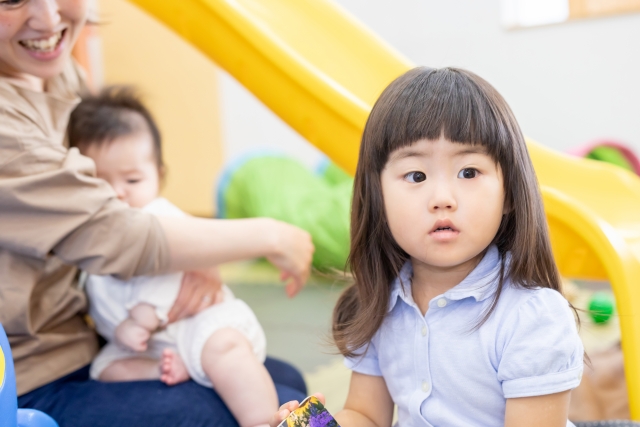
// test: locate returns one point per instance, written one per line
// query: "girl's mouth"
(43, 46)
(444, 231)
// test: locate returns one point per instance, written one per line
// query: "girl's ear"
(507, 208)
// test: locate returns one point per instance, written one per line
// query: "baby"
(223, 346)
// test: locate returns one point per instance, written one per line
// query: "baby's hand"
(292, 255)
(287, 408)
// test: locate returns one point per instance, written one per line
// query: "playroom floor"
(298, 329)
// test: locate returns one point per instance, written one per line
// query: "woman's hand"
(293, 251)
(287, 408)
(197, 242)
(199, 289)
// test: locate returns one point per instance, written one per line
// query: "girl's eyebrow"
(465, 149)
(404, 153)
(473, 149)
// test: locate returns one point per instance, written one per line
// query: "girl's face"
(444, 201)
(36, 36)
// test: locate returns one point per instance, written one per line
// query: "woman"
(55, 216)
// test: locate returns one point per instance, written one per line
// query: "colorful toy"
(601, 307)
(10, 415)
(310, 413)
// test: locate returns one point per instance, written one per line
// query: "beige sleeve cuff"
(120, 242)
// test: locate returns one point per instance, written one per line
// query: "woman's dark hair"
(427, 103)
(115, 112)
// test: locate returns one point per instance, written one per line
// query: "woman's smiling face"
(36, 36)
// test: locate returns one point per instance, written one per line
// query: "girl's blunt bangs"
(426, 103)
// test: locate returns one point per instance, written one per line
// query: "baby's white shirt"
(110, 299)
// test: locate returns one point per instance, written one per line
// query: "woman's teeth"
(43, 45)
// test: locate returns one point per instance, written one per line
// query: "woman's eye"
(133, 181)
(415, 177)
(468, 173)
(10, 3)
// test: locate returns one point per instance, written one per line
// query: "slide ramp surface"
(321, 70)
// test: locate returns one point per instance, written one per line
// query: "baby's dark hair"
(115, 112)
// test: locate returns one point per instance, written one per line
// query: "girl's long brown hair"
(427, 103)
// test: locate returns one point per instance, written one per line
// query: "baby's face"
(129, 165)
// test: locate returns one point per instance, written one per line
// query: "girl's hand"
(199, 290)
(292, 255)
(287, 408)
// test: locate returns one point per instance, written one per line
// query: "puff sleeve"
(541, 350)
(366, 362)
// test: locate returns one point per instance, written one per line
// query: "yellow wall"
(180, 87)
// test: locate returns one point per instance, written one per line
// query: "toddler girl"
(456, 315)
(223, 346)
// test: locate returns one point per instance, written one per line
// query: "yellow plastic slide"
(321, 70)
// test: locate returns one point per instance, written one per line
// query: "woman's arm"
(550, 410)
(196, 243)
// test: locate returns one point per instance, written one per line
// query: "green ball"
(601, 307)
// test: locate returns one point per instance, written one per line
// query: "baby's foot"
(172, 369)
(132, 335)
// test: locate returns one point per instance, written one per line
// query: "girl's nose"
(442, 199)
(45, 15)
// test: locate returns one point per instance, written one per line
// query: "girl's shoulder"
(537, 344)
(536, 311)
(536, 299)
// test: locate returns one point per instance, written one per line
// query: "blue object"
(76, 401)
(11, 416)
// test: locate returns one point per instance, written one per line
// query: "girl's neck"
(430, 281)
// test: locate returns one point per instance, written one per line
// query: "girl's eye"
(133, 181)
(415, 177)
(468, 173)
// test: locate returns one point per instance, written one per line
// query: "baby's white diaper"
(188, 337)
(110, 299)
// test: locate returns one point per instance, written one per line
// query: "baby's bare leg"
(135, 331)
(134, 369)
(239, 378)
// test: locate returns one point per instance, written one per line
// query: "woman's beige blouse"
(55, 215)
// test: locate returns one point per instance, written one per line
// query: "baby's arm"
(368, 404)
(550, 410)
(135, 331)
